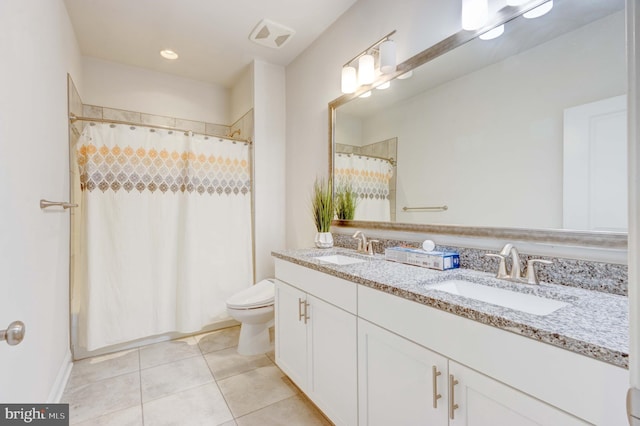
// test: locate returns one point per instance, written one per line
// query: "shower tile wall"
(244, 125)
(385, 149)
(212, 129)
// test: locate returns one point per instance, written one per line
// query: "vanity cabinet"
(400, 383)
(403, 383)
(367, 357)
(482, 401)
(316, 338)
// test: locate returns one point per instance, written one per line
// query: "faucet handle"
(502, 268)
(532, 277)
(370, 246)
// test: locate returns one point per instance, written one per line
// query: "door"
(333, 361)
(595, 166)
(481, 401)
(291, 335)
(400, 382)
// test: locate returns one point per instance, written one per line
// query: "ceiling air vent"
(271, 34)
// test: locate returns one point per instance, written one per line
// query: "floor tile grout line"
(168, 362)
(233, 417)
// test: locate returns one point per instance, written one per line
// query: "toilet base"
(254, 339)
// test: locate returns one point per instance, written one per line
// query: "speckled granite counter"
(594, 324)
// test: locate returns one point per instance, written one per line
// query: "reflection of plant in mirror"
(322, 205)
(346, 201)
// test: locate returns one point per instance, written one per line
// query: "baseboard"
(61, 379)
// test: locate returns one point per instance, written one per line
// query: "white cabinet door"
(291, 333)
(397, 381)
(332, 348)
(482, 401)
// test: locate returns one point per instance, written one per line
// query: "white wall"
(269, 165)
(114, 85)
(313, 80)
(242, 95)
(492, 160)
(39, 48)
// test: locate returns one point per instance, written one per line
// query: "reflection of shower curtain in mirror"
(165, 234)
(369, 178)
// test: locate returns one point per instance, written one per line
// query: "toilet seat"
(257, 296)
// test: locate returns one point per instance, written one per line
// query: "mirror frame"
(598, 239)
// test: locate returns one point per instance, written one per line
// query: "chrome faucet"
(362, 241)
(507, 250)
(516, 271)
(364, 245)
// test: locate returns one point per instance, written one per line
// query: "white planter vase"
(324, 240)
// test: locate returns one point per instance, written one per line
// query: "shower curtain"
(369, 177)
(165, 231)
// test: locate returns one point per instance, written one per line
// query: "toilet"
(253, 308)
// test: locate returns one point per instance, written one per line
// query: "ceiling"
(211, 36)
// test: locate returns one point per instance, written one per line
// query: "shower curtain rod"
(390, 160)
(73, 118)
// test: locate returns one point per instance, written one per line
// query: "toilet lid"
(261, 294)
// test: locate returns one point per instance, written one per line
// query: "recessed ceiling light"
(169, 54)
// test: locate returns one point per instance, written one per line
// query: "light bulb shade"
(474, 14)
(349, 80)
(388, 57)
(537, 12)
(366, 69)
(493, 33)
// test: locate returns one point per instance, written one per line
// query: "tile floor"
(198, 380)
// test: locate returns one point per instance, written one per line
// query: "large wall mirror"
(525, 132)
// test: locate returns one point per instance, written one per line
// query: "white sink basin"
(338, 259)
(528, 303)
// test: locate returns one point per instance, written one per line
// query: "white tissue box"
(441, 260)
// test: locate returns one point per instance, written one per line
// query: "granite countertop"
(593, 323)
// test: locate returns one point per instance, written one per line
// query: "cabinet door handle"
(434, 376)
(452, 404)
(300, 314)
(306, 311)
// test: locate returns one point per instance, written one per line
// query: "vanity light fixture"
(366, 69)
(537, 12)
(349, 79)
(382, 53)
(168, 54)
(474, 14)
(388, 57)
(493, 33)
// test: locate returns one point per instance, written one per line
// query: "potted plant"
(346, 201)
(322, 208)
